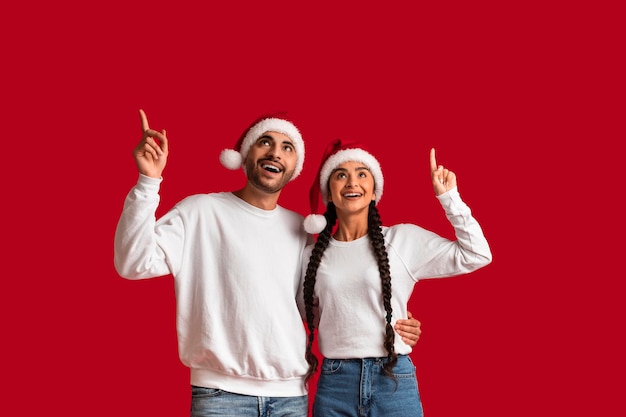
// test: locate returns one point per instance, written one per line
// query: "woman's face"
(351, 187)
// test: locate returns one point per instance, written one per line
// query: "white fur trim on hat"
(231, 160)
(314, 223)
(356, 155)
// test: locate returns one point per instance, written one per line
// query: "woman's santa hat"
(335, 154)
(233, 158)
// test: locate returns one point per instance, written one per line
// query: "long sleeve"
(137, 253)
(428, 255)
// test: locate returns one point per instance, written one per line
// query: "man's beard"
(258, 182)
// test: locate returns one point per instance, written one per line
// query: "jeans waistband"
(382, 359)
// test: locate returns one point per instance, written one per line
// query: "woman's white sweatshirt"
(348, 282)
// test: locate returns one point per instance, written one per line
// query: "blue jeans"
(212, 402)
(357, 387)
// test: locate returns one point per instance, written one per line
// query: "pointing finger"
(164, 142)
(144, 121)
(433, 161)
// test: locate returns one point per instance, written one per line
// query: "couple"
(246, 272)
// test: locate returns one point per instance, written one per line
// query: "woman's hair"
(380, 252)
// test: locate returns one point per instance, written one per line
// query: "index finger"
(433, 161)
(144, 121)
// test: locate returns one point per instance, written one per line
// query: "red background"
(524, 101)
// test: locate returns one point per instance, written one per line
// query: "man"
(235, 258)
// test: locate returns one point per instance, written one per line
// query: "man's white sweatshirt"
(236, 270)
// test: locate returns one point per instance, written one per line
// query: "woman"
(363, 269)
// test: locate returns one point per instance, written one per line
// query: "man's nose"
(274, 150)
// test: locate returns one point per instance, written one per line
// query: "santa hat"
(335, 154)
(233, 158)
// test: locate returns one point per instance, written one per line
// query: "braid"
(309, 284)
(378, 245)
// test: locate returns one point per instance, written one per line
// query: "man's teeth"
(271, 168)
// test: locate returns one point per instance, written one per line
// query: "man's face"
(271, 162)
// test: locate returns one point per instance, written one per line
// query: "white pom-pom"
(314, 223)
(231, 159)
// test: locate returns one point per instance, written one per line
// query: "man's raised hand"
(151, 153)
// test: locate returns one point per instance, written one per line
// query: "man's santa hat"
(275, 122)
(336, 153)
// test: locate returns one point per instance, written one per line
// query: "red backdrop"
(523, 101)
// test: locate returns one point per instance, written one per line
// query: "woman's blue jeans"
(211, 402)
(357, 387)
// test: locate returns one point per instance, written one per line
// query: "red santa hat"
(336, 153)
(275, 122)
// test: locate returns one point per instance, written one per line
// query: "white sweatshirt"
(348, 281)
(236, 270)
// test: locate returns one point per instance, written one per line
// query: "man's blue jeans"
(357, 387)
(211, 402)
